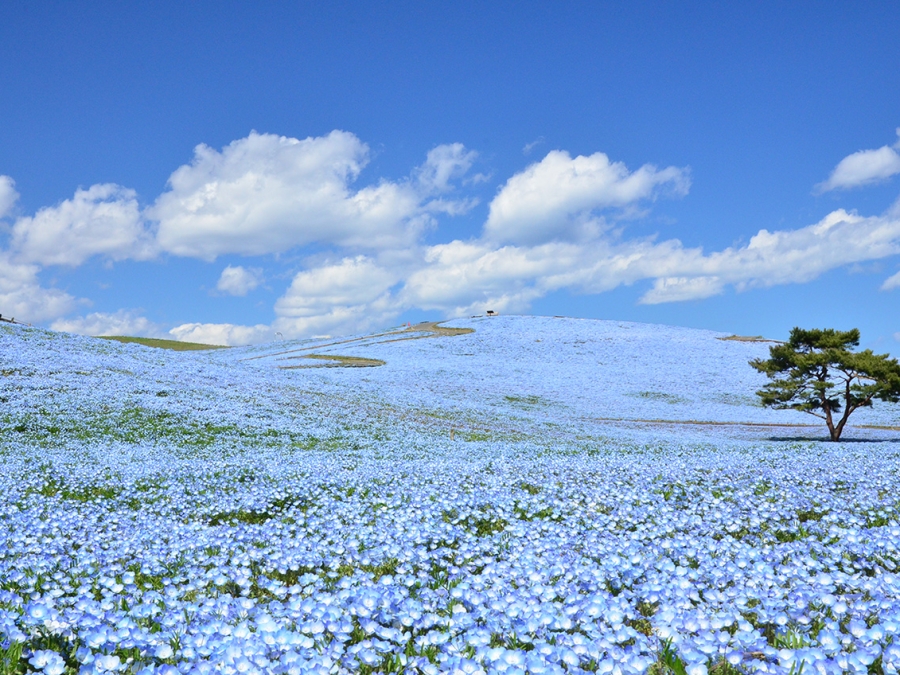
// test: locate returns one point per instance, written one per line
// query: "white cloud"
(863, 168)
(674, 289)
(123, 322)
(239, 280)
(23, 298)
(352, 294)
(460, 277)
(552, 226)
(891, 282)
(258, 195)
(465, 277)
(442, 165)
(104, 219)
(8, 195)
(553, 198)
(225, 334)
(526, 150)
(267, 194)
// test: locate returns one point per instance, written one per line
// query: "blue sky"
(225, 172)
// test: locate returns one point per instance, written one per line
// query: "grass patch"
(336, 361)
(130, 425)
(660, 396)
(524, 400)
(274, 509)
(747, 338)
(174, 345)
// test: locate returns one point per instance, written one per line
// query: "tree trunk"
(826, 406)
(835, 433)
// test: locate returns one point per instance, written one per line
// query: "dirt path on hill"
(335, 361)
(432, 328)
(420, 331)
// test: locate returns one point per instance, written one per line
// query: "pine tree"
(815, 372)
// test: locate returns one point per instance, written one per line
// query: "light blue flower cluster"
(196, 513)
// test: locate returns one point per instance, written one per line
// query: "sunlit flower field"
(537, 496)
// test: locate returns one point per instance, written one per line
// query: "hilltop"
(515, 374)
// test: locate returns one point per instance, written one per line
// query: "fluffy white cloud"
(553, 198)
(123, 322)
(863, 168)
(104, 219)
(348, 295)
(226, 334)
(267, 194)
(797, 256)
(460, 277)
(546, 230)
(352, 281)
(463, 277)
(351, 294)
(8, 195)
(260, 194)
(23, 298)
(239, 280)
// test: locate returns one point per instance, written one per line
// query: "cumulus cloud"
(863, 168)
(102, 220)
(239, 280)
(123, 322)
(555, 225)
(260, 194)
(796, 256)
(267, 194)
(8, 195)
(23, 298)
(338, 297)
(460, 277)
(350, 294)
(553, 198)
(225, 334)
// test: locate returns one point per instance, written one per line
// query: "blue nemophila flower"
(48, 661)
(256, 520)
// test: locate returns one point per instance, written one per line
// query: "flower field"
(537, 496)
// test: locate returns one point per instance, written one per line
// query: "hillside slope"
(554, 378)
(562, 369)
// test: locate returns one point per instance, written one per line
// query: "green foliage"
(11, 661)
(815, 372)
(660, 396)
(524, 400)
(668, 661)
